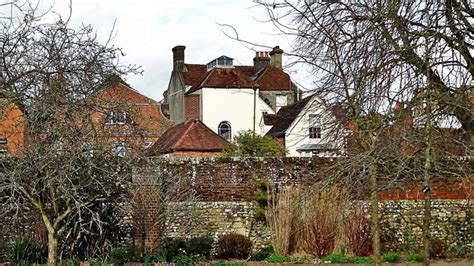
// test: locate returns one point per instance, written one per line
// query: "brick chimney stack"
(260, 61)
(178, 57)
(276, 57)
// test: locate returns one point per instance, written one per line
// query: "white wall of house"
(235, 106)
(297, 135)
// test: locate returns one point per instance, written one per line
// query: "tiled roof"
(191, 135)
(285, 117)
(270, 78)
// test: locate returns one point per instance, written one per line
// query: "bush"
(340, 258)
(147, 258)
(358, 231)
(183, 260)
(233, 246)
(173, 247)
(26, 250)
(361, 260)
(199, 246)
(438, 248)
(462, 251)
(391, 257)
(335, 258)
(415, 257)
(277, 259)
(70, 262)
(262, 254)
(123, 255)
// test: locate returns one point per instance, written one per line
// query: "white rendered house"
(308, 129)
(227, 98)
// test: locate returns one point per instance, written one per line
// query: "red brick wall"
(231, 179)
(192, 107)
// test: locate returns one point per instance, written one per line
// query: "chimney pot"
(260, 61)
(178, 57)
(276, 57)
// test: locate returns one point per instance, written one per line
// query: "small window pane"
(225, 130)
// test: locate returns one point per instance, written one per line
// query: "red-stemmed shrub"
(358, 232)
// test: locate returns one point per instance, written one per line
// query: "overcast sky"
(147, 30)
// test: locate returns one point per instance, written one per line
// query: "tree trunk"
(374, 203)
(52, 249)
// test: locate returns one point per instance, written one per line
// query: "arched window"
(225, 130)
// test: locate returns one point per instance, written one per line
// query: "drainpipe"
(254, 106)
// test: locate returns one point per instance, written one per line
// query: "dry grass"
(280, 215)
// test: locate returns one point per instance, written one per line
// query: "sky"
(147, 30)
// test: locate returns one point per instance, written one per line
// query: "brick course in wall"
(192, 107)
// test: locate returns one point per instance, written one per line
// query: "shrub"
(261, 198)
(361, 260)
(199, 246)
(70, 262)
(277, 259)
(415, 257)
(262, 254)
(93, 230)
(358, 232)
(409, 242)
(26, 250)
(183, 260)
(340, 258)
(248, 144)
(147, 258)
(391, 257)
(173, 247)
(123, 255)
(438, 248)
(318, 220)
(335, 258)
(233, 246)
(461, 251)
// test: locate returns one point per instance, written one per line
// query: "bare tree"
(367, 55)
(51, 72)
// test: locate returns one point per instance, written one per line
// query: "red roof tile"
(191, 135)
(271, 78)
(193, 73)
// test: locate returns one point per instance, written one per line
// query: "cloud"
(147, 30)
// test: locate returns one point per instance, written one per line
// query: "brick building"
(189, 139)
(12, 128)
(127, 120)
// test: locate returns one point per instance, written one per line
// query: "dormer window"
(118, 118)
(223, 61)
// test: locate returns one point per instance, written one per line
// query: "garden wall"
(225, 189)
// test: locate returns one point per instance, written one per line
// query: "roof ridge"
(192, 122)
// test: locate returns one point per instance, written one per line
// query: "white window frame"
(226, 135)
(315, 129)
(124, 118)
